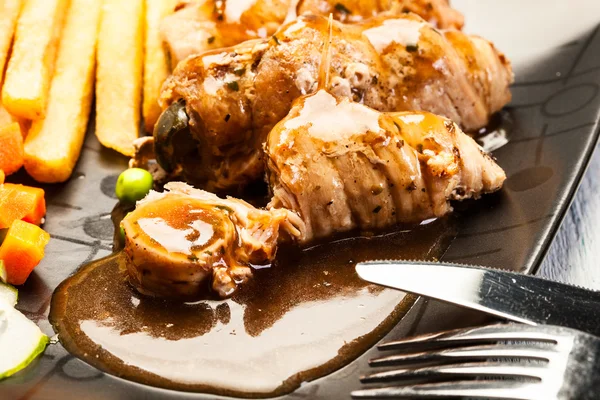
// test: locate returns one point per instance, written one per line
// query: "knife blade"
(516, 297)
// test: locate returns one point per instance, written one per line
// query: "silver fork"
(508, 361)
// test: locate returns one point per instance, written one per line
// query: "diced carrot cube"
(22, 250)
(21, 202)
(11, 148)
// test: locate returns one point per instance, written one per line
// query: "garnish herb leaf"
(342, 8)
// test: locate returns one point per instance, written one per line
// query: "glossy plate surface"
(554, 126)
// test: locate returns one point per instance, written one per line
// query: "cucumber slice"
(8, 294)
(3, 275)
(21, 341)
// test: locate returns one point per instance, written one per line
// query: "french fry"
(119, 74)
(53, 144)
(31, 63)
(9, 13)
(156, 65)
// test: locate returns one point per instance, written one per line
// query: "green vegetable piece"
(121, 230)
(21, 341)
(3, 275)
(342, 8)
(133, 185)
(233, 85)
(173, 123)
(8, 294)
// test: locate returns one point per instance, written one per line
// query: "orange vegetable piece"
(21, 202)
(11, 148)
(22, 250)
(1, 177)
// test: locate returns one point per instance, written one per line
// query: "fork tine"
(458, 371)
(468, 337)
(465, 354)
(508, 390)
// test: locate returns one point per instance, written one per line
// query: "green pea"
(121, 230)
(133, 185)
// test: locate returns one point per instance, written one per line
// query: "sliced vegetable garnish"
(22, 250)
(21, 202)
(21, 340)
(8, 293)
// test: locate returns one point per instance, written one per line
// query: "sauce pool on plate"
(303, 317)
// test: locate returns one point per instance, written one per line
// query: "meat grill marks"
(342, 166)
(235, 96)
(186, 242)
(202, 25)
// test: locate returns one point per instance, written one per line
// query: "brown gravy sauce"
(304, 317)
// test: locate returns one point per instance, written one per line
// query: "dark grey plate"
(555, 120)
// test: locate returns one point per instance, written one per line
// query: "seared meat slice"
(344, 166)
(184, 241)
(202, 25)
(235, 96)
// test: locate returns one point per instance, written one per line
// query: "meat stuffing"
(185, 242)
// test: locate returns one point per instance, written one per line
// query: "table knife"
(513, 296)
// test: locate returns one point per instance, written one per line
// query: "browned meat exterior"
(235, 96)
(184, 242)
(202, 25)
(343, 166)
(437, 12)
(333, 166)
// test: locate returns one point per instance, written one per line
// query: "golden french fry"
(9, 13)
(119, 74)
(156, 66)
(31, 63)
(53, 144)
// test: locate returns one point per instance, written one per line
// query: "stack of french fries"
(54, 55)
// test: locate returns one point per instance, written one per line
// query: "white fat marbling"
(304, 80)
(235, 8)
(211, 85)
(330, 121)
(402, 31)
(214, 59)
(296, 26)
(412, 118)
